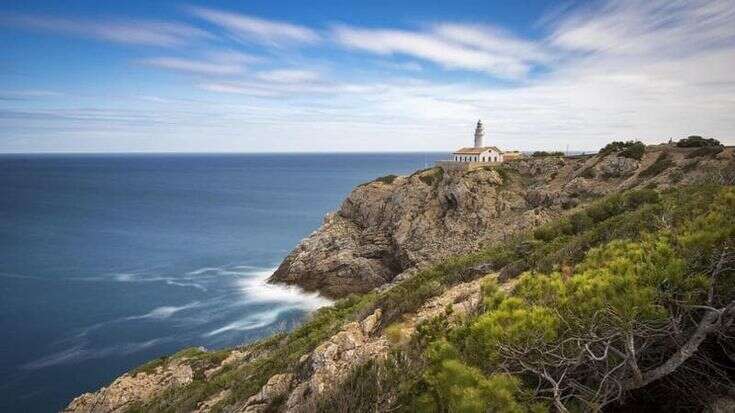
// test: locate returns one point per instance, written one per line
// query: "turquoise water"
(108, 261)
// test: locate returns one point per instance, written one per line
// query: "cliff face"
(388, 227)
(384, 228)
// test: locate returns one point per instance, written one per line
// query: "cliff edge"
(387, 228)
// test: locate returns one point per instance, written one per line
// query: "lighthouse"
(479, 134)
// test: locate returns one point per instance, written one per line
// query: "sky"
(336, 75)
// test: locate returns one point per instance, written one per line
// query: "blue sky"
(262, 76)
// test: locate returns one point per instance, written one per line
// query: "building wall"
(462, 166)
(487, 156)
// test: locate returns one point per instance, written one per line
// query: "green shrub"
(542, 154)
(621, 288)
(629, 149)
(388, 179)
(662, 163)
(695, 141)
(458, 387)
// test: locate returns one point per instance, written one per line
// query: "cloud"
(494, 40)
(289, 76)
(194, 66)
(141, 32)
(256, 29)
(615, 70)
(655, 26)
(432, 47)
(234, 56)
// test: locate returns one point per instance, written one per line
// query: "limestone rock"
(276, 388)
(382, 230)
(133, 388)
(334, 359)
(617, 166)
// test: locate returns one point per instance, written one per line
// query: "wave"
(193, 285)
(164, 312)
(203, 270)
(255, 289)
(252, 322)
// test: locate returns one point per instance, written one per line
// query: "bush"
(705, 151)
(388, 179)
(630, 149)
(461, 388)
(542, 154)
(695, 141)
(626, 287)
(634, 151)
(662, 163)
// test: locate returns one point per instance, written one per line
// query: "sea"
(109, 261)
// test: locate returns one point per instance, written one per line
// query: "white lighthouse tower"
(479, 134)
(479, 154)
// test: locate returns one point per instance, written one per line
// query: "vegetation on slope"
(567, 270)
(633, 292)
(629, 149)
(696, 141)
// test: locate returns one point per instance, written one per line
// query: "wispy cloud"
(141, 32)
(451, 46)
(494, 40)
(289, 76)
(257, 30)
(657, 27)
(194, 66)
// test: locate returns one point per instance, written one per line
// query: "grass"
(388, 179)
(196, 357)
(662, 163)
(279, 353)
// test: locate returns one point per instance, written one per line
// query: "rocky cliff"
(384, 231)
(387, 228)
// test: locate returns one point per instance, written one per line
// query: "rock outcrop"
(383, 229)
(132, 388)
(325, 368)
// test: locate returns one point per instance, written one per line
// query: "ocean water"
(108, 261)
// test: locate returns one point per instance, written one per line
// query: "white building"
(478, 153)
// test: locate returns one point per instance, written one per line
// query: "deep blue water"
(108, 261)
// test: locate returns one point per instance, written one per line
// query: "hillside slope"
(455, 254)
(396, 224)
